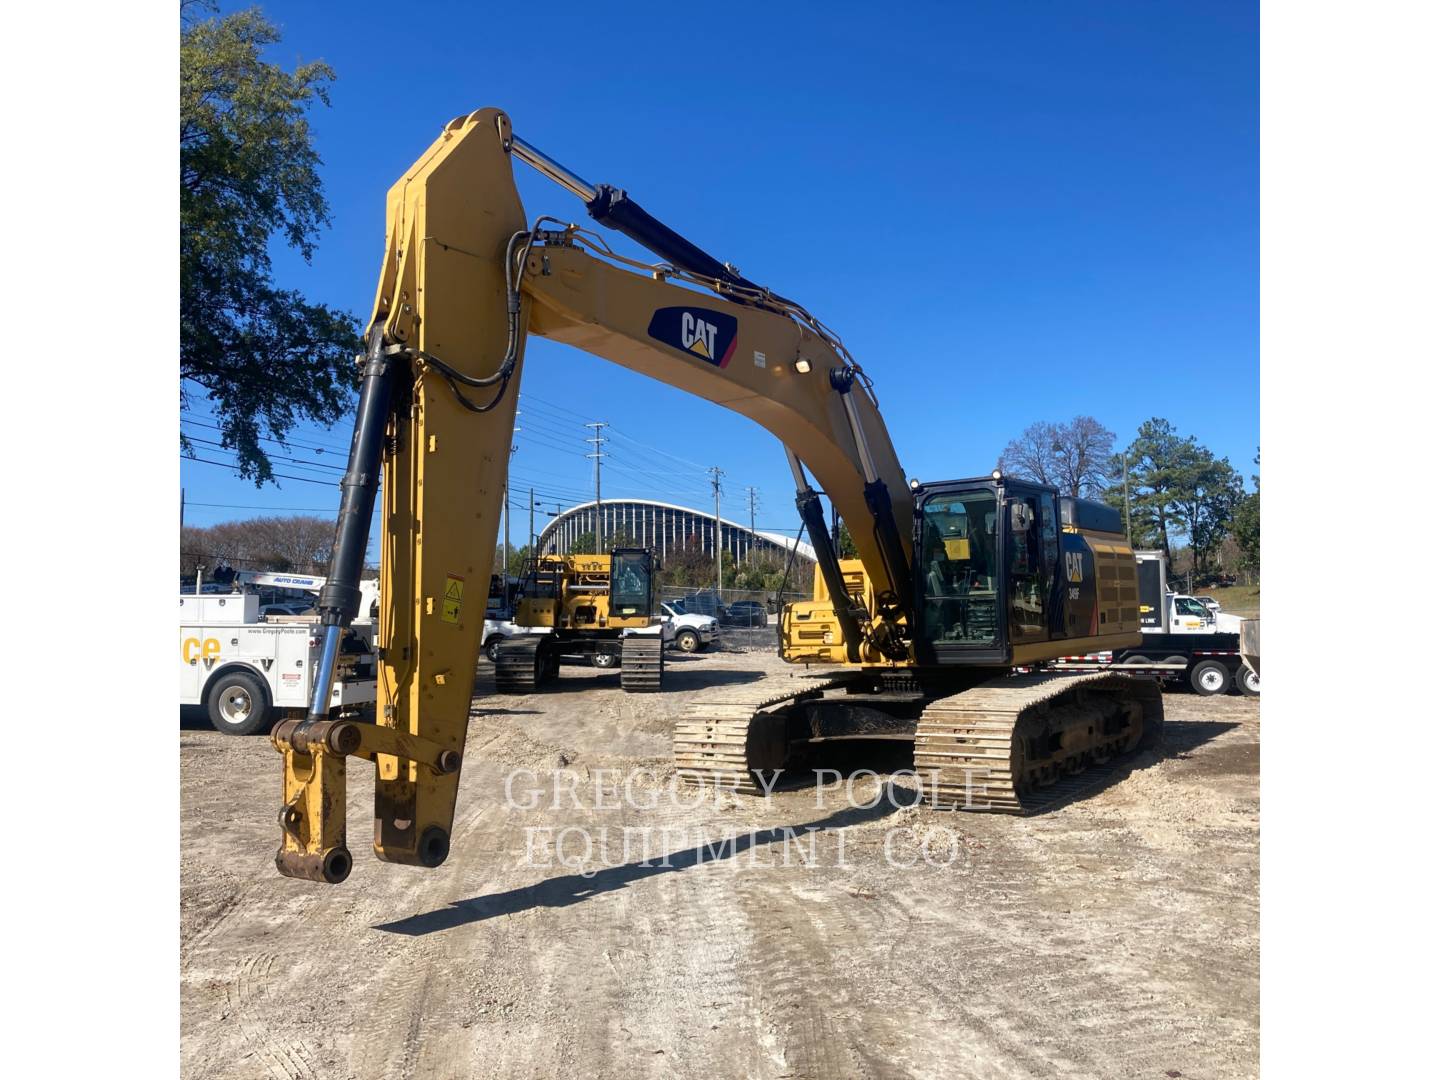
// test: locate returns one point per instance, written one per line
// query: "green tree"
(1178, 490)
(1209, 491)
(1158, 460)
(518, 558)
(263, 356)
(846, 548)
(764, 572)
(1246, 526)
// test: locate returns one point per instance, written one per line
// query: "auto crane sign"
(700, 332)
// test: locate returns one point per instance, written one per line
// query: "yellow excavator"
(585, 603)
(957, 583)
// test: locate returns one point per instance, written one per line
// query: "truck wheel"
(1209, 677)
(687, 641)
(1247, 682)
(492, 647)
(604, 658)
(238, 704)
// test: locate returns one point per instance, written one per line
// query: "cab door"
(1031, 552)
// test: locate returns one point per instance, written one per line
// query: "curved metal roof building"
(662, 526)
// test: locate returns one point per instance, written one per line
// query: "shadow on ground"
(688, 678)
(575, 888)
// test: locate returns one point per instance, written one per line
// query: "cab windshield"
(957, 568)
(630, 583)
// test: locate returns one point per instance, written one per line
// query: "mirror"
(1021, 516)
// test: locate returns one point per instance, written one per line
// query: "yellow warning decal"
(454, 594)
(957, 548)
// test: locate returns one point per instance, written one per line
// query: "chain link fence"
(749, 618)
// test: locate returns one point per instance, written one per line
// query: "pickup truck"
(498, 627)
(693, 633)
(686, 632)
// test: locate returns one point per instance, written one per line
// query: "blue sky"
(1009, 212)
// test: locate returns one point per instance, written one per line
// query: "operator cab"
(631, 583)
(988, 569)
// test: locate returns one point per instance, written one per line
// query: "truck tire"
(1209, 677)
(238, 703)
(492, 647)
(1247, 682)
(604, 657)
(687, 641)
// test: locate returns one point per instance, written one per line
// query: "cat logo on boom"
(697, 335)
(699, 332)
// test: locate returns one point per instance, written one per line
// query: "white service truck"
(244, 666)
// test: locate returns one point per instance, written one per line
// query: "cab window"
(958, 568)
(630, 583)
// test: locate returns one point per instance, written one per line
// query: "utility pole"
(1125, 460)
(597, 439)
(715, 473)
(505, 561)
(750, 553)
(532, 522)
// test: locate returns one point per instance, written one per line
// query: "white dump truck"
(244, 666)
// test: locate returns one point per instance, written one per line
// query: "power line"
(658, 450)
(278, 457)
(260, 506)
(319, 448)
(282, 476)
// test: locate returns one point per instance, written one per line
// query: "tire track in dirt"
(246, 994)
(1037, 998)
(1109, 938)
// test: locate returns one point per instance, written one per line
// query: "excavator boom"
(464, 280)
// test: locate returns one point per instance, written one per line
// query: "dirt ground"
(1114, 936)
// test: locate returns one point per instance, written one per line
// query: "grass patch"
(1241, 600)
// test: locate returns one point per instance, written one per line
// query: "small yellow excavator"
(586, 603)
(958, 583)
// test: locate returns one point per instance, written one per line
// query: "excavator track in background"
(725, 737)
(1009, 745)
(522, 665)
(642, 663)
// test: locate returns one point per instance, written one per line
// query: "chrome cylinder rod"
(544, 163)
(325, 671)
